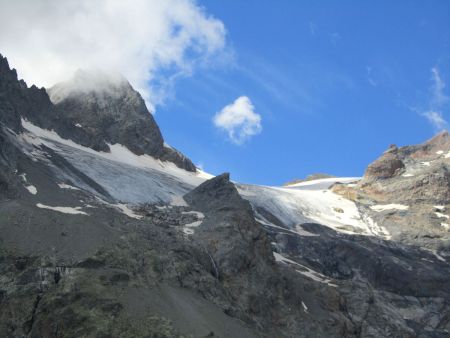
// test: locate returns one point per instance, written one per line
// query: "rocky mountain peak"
(214, 193)
(93, 109)
(108, 111)
(441, 139)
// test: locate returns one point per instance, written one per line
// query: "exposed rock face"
(416, 178)
(108, 110)
(230, 233)
(428, 149)
(386, 166)
(17, 99)
(413, 173)
(272, 298)
(381, 282)
(8, 166)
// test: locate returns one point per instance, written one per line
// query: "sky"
(267, 90)
(334, 82)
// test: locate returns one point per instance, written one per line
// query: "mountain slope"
(102, 235)
(105, 112)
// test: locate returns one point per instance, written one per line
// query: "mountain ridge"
(105, 119)
(121, 243)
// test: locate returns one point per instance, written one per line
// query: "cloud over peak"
(48, 40)
(239, 120)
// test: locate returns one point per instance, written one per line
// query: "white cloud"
(438, 102)
(239, 120)
(150, 42)
(436, 119)
(439, 98)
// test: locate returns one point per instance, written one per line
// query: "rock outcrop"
(17, 99)
(386, 166)
(414, 183)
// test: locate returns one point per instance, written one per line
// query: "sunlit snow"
(134, 179)
(32, 189)
(67, 186)
(188, 228)
(64, 210)
(384, 207)
(304, 270)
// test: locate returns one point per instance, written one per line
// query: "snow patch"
(64, 210)
(426, 163)
(32, 189)
(439, 152)
(311, 274)
(407, 175)
(384, 207)
(302, 232)
(436, 254)
(127, 211)
(187, 228)
(198, 214)
(78, 125)
(305, 308)
(441, 215)
(445, 225)
(123, 208)
(323, 183)
(67, 186)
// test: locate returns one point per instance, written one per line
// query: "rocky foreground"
(105, 231)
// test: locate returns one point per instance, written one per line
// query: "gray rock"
(109, 111)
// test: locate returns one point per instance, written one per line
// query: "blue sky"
(267, 90)
(335, 83)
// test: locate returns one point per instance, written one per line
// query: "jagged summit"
(18, 100)
(94, 109)
(110, 111)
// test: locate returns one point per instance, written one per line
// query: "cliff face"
(110, 111)
(17, 100)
